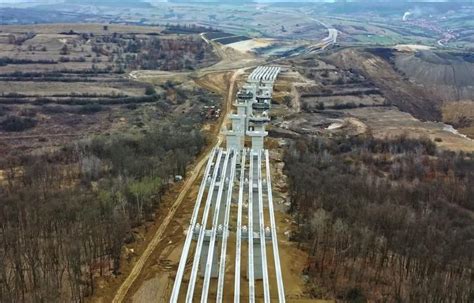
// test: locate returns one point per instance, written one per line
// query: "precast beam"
(239, 229)
(209, 260)
(197, 254)
(189, 235)
(215, 222)
(250, 232)
(266, 285)
(225, 230)
(276, 254)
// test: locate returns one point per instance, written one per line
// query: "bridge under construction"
(231, 247)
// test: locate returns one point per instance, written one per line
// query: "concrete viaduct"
(231, 247)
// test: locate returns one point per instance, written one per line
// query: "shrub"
(3, 110)
(91, 108)
(347, 105)
(53, 109)
(150, 90)
(17, 124)
(28, 112)
(131, 106)
(320, 105)
(355, 295)
(168, 84)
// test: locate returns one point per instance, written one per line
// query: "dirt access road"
(122, 292)
(139, 265)
(150, 278)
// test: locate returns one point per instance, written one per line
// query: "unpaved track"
(230, 61)
(138, 267)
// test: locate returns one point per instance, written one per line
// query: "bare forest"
(66, 215)
(383, 219)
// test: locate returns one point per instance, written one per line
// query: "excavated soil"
(398, 91)
(450, 76)
(155, 282)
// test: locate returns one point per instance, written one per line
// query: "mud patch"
(152, 290)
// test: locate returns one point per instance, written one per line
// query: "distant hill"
(416, 82)
(450, 75)
(115, 3)
(395, 88)
(220, 1)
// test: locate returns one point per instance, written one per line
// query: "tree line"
(383, 219)
(164, 53)
(66, 215)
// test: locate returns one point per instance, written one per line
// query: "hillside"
(408, 97)
(426, 84)
(450, 75)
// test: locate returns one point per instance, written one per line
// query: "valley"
(109, 112)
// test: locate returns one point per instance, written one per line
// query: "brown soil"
(449, 76)
(80, 27)
(54, 87)
(153, 278)
(390, 122)
(169, 236)
(161, 246)
(461, 116)
(380, 121)
(407, 97)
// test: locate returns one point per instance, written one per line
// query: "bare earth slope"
(451, 76)
(397, 91)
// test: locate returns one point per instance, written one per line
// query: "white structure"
(256, 130)
(253, 103)
(248, 171)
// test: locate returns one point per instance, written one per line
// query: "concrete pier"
(237, 181)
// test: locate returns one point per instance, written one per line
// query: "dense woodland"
(116, 52)
(384, 220)
(66, 215)
(164, 54)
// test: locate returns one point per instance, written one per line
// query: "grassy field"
(95, 28)
(323, 99)
(65, 81)
(460, 115)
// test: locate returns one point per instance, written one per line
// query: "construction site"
(246, 151)
(232, 235)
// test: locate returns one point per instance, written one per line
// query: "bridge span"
(231, 247)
